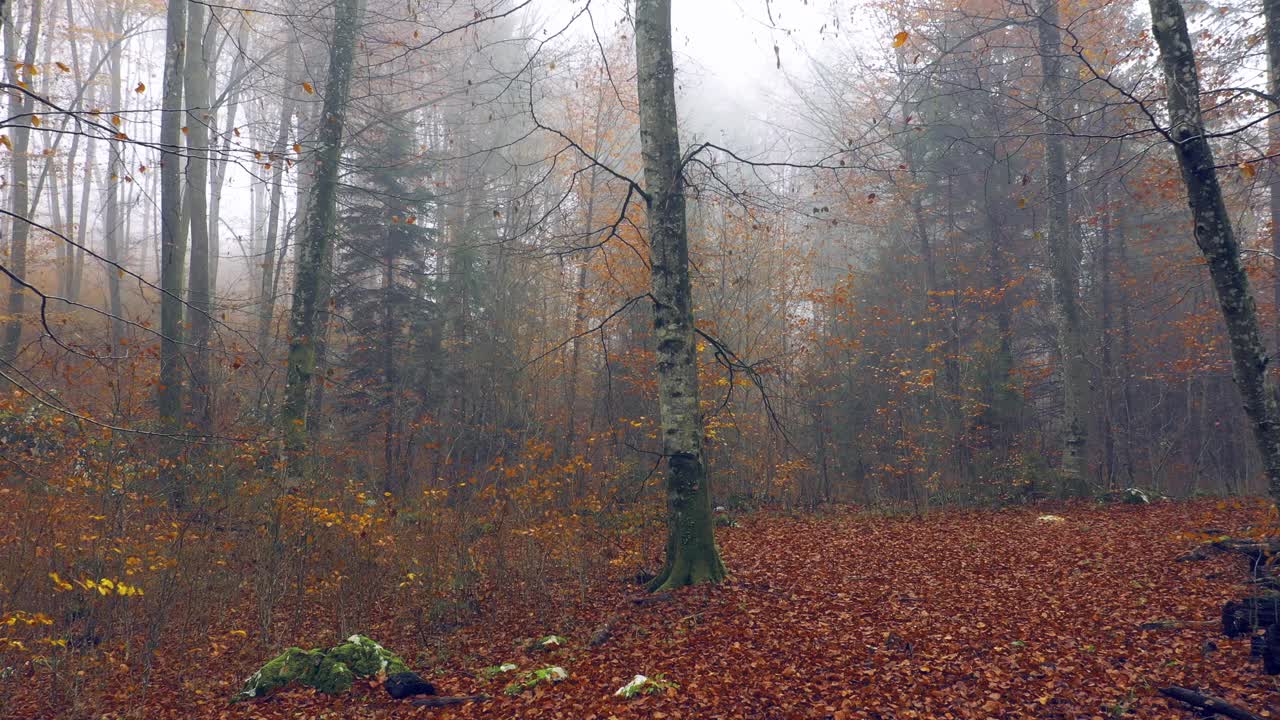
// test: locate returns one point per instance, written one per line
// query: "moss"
(333, 671)
(544, 676)
(366, 657)
(331, 676)
(293, 664)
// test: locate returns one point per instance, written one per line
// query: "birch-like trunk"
(1214, 233)
(1064, 263)
(321, 220)
(692, 556)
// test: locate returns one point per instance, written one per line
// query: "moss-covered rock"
(292, 665)
(330, 671)
(366, 657)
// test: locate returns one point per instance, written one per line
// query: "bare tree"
(1214, 233)
(692, 556)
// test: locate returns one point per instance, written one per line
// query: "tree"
(199, 291)
(691, 556)
(1064, 262)
(173, 245)
(1214, 233)
(320, 224)
(21, 105)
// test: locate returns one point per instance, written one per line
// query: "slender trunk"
(1214, 233)
(692, 556)
(199, 290)
(1108, 363)
(322, 216)
(172, 239)
(219, 169)
(389, 381)
(266, 296)
(1064, 263)
(115, 173)
(1271, 15)
(20, 200)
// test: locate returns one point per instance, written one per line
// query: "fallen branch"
(446, 700)
(1176, 624)
(1208, 703)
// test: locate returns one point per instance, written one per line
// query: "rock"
(292, 665)
(407, 684)
(330, 671)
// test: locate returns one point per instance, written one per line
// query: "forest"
(599, 359)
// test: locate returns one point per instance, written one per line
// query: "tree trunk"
(199, 292)
(1271, 14)
(321, 218)
(1064, 263)
(115, 175)
(172, 237)
(220, 163)
(20, 200)
(1214, 233)
(692, 556)
(266, 287)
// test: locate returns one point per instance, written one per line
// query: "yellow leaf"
(141, 88)
(901, 39)
(239, 633)
(35, 121)
(307, 86)
(1022, 202)
(1248, 170)
(115, 120)
(63, 67)
(297, 148)
(4, 140)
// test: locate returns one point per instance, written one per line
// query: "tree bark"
(321, 218)
(173, 248)
(1064, 263)
(1214, 233)
(1271, 16)
(692, 556)
(20, 201)
(115, 173)
(199, 292)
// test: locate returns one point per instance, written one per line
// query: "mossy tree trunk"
(692, 556)
(1214, 233)
(321, 219)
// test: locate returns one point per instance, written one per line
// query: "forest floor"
(847, 615)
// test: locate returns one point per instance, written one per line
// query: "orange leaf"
(901, 39)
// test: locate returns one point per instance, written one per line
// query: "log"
(1208, 703)
(1242, 617)
(449, 700)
